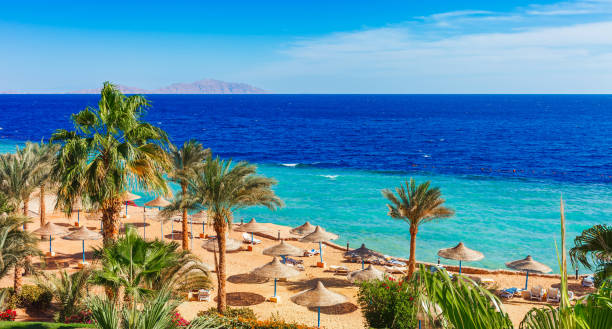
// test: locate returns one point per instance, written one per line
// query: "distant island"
(205, 86)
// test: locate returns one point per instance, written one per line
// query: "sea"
(502, 162)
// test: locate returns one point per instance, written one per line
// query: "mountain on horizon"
(205, 86)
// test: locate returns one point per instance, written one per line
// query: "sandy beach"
(245, 290)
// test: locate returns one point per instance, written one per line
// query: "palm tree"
(110, 151)
(593, 249)
(184, 162)
(69, 290)
(135, 268)
(222, 189)
(44, 155)
(16, 245)
(416, 205)
(18, 177)
(154, 313)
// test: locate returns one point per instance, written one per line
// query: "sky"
(310, 46)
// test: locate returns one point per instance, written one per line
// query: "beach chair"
(289, 260)
(339, 269)
(509, 292)
(247, 239)
(394, 270)
(311, 252)
(588, 281)
(395, 262)
(203, 295)
(536, 292)
(553, 295)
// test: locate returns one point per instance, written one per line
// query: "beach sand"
(244, 290)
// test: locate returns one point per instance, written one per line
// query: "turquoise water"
(506, 219)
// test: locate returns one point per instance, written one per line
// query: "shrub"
(35, 297)
(388, 303)
(83, 316)
(179, 321)
(241, 312)
(8, 315)
(242, 323)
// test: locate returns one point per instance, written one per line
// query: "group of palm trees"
(110, 151)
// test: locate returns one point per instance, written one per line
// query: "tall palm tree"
(135, 268)
(184, 161)
(221, 189)
(593, 249)
(44, 155)
(110, 151)
(416, 205)
(16, 245)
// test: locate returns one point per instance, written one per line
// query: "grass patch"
(42, 325)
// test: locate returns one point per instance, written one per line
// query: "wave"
(333, 177)
(290, 164)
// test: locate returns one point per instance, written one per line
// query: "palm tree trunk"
(220, 228)
(185, 229)
(25, 210)
(18, 279)
(110, 220)
(43, 210)
(412, 260)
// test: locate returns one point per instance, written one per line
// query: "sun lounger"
(510, 292)
(292, 261)
(203, 295)
(394, 270)
(553, 295)
(338, 269)
(311, 252)
(395, 262)
(536, 292)
(247, 238)
(588, 281)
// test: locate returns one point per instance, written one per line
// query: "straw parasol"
(363, 253)
(369, 274)
(318, 297)
(528, 265)
(128, 196)
(275, 270)
(78, 206)
(253, 227)
(303, 229)
(158, 202)
(283, 249)
(319, 235)
(50, 230)
(461, 253)
(230, 245)
(83, 234)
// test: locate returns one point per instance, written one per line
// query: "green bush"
(241, 323)
(388, 304)
(35, 297)
(242, 312)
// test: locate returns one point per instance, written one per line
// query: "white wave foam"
(329, 176)
(426, 156)
(289, 164)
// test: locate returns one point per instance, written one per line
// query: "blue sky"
(311, 46)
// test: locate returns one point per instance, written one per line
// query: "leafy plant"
(35, 297)
(230, 312)
(69, 290)
(593, 249)
(388, 303)
(416, 205)
(15, 246)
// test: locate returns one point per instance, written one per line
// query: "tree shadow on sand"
(247, 278)
(344, 308)
(327, 282)
(244, 299)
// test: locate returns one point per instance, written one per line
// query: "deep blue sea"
(502, 161)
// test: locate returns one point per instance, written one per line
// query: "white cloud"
(569, 8)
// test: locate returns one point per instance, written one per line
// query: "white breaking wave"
(289, 164)
(329, 176)
(426, 156)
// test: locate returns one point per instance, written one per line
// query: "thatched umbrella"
(319, 235)
(369, 274)
(318, 297)
(461, 253)
(50, 230)
(230, 245)
(83, 234)
(528, 265)
(283, 250)
(275, 270)
(158, 202)
(128, 196)
(363, 253)
(303, 229)
(253, 227)
(78, 206)
(201, 216)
